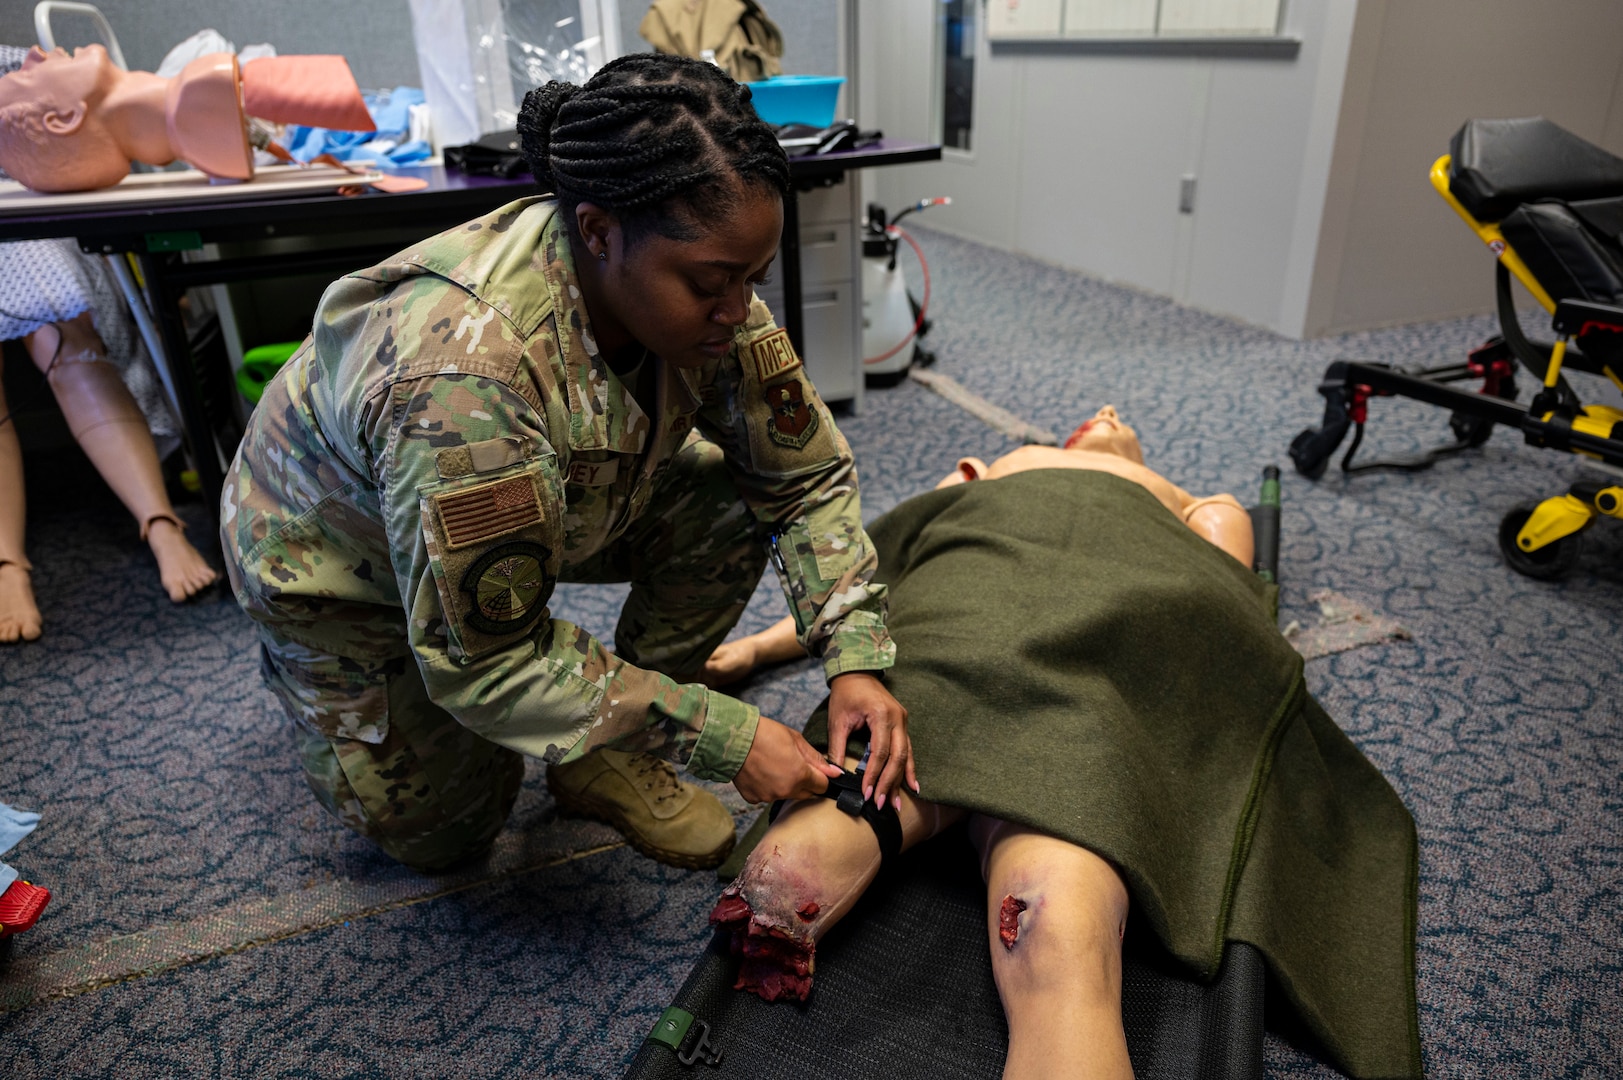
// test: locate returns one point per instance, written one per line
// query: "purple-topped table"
(373, 225)
(359, 230)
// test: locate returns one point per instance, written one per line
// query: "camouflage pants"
(693, 558)
(432, 793)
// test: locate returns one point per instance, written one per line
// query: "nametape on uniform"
(479, 513)
(773, 355)
(593, 473)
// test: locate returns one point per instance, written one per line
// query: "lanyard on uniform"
(774, 554)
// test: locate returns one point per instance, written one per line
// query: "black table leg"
(200, 441)
(789, 267)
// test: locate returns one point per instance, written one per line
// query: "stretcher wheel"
(1548, 563)
(1470, 430)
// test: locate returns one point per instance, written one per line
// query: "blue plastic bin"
(797, 99)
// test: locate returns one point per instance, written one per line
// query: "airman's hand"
(782, 765)
(857, 699)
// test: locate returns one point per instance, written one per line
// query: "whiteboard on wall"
(1037, 19)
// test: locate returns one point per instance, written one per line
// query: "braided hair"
(665, 143)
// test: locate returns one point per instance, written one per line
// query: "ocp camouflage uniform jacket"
(430, 440)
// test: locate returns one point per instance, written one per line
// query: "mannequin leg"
(114, 435)
(19, 614)
(1055, 919)
(808, 871)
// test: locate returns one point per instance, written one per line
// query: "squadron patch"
(773, 355)
(507, 586)
(794, 422)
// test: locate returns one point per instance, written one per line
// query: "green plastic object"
(1270, 491)
(260, 364)
(183, 240)
(1266, 520)
(672, 1028)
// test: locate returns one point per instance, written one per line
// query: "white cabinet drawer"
(827, 319)
(825, 204)
(825, 252)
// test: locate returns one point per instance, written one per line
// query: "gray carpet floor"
(209, 920)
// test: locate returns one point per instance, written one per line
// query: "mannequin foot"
(19, 615)
(184, 571)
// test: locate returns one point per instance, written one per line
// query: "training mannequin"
(113, 433)
(1103, 443)
(1056, 911)
(74, 123)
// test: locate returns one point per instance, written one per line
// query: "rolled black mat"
(904, 990)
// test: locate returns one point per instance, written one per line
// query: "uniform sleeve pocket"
(333, 696)
(494, 545)
(837, 541)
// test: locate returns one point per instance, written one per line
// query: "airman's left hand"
(857, 699)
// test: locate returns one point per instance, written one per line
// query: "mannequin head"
(54, 135)
(1102, 433)
(1107, 433)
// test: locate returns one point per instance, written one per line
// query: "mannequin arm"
(735, 660)
(1221, 520)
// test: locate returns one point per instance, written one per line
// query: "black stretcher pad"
(1568, 255)
(904, 989)
(1499, 164)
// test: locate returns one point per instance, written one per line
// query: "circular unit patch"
(508, 587)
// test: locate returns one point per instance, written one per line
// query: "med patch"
(790, 432)
(771, 355)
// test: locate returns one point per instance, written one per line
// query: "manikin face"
(61, 82)
(52, 136)
(1103, 433)
(682, 300)
(1107, 433)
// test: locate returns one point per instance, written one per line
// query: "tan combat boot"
(669, 821)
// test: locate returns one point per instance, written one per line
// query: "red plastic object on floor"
(20, 907)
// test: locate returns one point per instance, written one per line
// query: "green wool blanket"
(1075, 659)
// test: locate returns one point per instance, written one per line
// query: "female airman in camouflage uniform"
(573, 388)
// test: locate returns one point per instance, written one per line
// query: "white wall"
(1077, 156)
(1391, 251)
(1313, 213)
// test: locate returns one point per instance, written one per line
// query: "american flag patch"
(488, 510)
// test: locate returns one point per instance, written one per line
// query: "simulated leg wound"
(809, 870)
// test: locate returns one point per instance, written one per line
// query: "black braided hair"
(665, 143)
